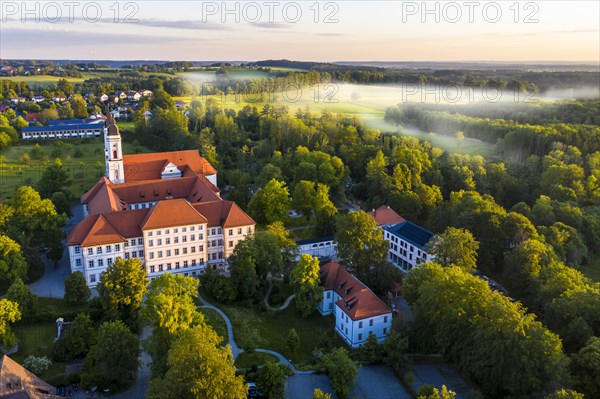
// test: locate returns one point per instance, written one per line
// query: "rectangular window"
(176, 251)
(220, 255)
(126, 255)
(185, 251)
(371, 322)
(230, 232)
(109, 261)
(160, 254)
(360, 324)
(219, 231)
(92, 278)
(385, 319)
(185, 263)
(158, 233)
(175, 231)
(150, 243)
(220, 243)
(149, 234)
(151, 269)
(100, 262)
(230, 244)
(159, 241)
(108, 249)
(99, 250)
(167, 241)
(176, 240)
(193, 237)
(213, 232)
(385, 330)
(90, 251)
(193, 250)
(140, 241)
(168, 266)
(77, 262)
(240, 230)
(184, 238)
(151, 255)
(77, 250)
(328, 294)
(134, 254)
(167, 231)
(168, 252)
(183, 229)
(141, 253)
(192, 228)
(201, 236)
(176, 265)
(90, 263)
(360, 337)
(117, 247)
(193, 263)
(201, 248)
(249, 230)
(133, 240)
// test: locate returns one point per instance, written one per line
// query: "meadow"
(83, 160)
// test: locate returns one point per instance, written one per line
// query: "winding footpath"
(236, 350)
(285, 304)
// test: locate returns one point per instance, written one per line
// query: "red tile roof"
(224, 213)
(357, 300)
(149, 166)
(384, 215)
(169, 213)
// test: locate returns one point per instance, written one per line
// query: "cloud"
(12, 38)
(183, 24)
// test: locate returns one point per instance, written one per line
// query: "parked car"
(253, 391)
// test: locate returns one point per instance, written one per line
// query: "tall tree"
(122, 288)
(199, 368)
(20, 293)
(170, 309)
(342, 371)
(242, 267)
(76, 289)
(12, 264)
(325, 211)
(360, 245)
(303, 196)
(271, 380)
(456, 247)
(305, 279)
(113, 359)
(270, 203)
(585, 365)
(9, 313)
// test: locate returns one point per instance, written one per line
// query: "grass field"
(364, 102)
(253, 328)
(248, 359)
(215, 320)
(83, 172)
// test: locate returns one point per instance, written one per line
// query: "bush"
(37, 365)
(219, 287)
(76, 289)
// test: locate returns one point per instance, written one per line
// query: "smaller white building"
(409, 245)
(322, 247)
(358, 311)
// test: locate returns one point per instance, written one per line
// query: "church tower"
(113, 152)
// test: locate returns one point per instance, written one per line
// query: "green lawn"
(215, 320)
(265, 329)
(248, 359)
(83, 172)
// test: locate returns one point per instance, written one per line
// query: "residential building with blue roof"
(409, 244)
(77, 130)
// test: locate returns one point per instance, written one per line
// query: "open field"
(365, 102)
(83, 171)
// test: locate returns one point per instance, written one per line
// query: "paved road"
(51, 285)
(372, 382)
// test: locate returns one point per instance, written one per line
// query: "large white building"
(358, 311)
(409, 244)
(163, 208)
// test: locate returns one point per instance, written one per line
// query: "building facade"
(162, 208)
(323, 247)
(409, 245)
(357, 310)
